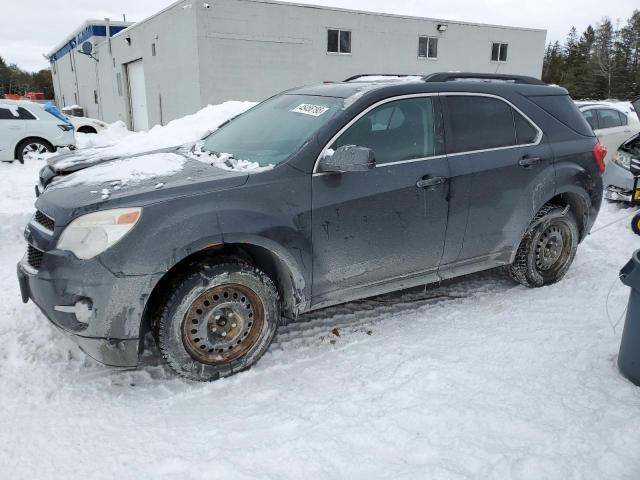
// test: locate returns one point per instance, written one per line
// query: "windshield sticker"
(307, 109)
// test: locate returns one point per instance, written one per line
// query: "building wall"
(171, 75)
(251, 49)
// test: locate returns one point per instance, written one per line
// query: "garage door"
(137, 96)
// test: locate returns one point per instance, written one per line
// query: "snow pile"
(117, 141)
(225, 161)
(114, 133)
(128, 171)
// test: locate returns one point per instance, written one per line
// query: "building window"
(338, 41)
(499, 52)
(428, 47)
(153, 49)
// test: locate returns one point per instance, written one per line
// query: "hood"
(89, 183)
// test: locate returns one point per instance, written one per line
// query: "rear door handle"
(528, 161)
(430, 182)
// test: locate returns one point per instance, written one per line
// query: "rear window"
(562, 108)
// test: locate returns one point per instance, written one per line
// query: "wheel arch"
(274, 261)
(31, 138)
(86, 129)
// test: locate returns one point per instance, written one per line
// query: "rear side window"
(24, 114)
(562, 108)
(609, 118)
(525, 132)
(479, 123)
(591, 117)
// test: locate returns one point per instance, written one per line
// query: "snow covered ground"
(475, 379)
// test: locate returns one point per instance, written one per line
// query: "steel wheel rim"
(32, 149)
(222, 324)
(553, 248)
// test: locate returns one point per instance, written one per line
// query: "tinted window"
(525, 132)
(6, 114)
(565, 111)
(478, 123)
(591, 117)
(396, 131)
(608, 118)
(24, 114)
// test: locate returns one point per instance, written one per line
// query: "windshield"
(273, 130)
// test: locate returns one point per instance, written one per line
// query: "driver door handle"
(430, 182)
(528, 161)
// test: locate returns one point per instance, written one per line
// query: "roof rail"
(482, 77)
(361, 75)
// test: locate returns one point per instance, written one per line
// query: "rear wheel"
(32, 149)
(548, 248)
(219, 320)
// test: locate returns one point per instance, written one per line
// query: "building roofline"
(83, 26)
(394, 15)
(346, 10)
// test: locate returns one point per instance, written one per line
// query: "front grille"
(34, 257)
(43, 220)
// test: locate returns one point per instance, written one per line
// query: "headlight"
(92, 234)
(622, 159)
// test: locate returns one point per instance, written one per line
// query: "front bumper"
(110, 332)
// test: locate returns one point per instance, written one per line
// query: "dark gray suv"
(374, 187)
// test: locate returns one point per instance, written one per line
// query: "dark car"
(375, 187)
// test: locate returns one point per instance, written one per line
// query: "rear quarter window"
(562, 108)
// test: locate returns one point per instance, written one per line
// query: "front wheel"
(548, 248)
(219, 320)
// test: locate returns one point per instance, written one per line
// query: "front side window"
(272, 131)
(499, 52)
(338, 41)
(608, 118)
(481, 123)
(395, 131)
(428, 47)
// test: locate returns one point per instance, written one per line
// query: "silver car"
(623, 144)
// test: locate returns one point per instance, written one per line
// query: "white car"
(29, 129)
(86, 125)
(613, 123)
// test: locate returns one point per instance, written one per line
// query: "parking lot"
(474, 378)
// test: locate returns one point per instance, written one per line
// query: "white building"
(193, 53)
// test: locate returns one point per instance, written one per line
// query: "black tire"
(213, 310)
(547, 249)
(22, 146)
(635, 224)
(87, 129)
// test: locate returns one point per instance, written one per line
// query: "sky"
(25, 36)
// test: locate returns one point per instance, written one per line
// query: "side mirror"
(348, 158)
